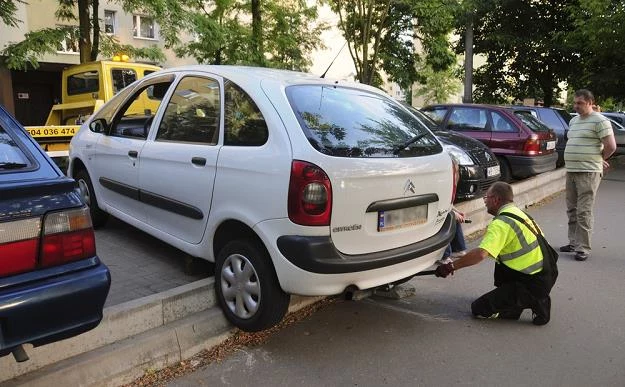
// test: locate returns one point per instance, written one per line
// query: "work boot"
(581, 256)
(541, 311)
(567, 249)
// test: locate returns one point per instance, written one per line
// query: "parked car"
(523, 145)
(52, 284)
(479, 168)
(619, 136)
(556, 119)
(290, 183)
(616, 116)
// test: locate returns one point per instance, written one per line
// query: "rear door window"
(193, 112)
(501, 123)
(463, 119)
(345, 122)
(532, 122)
(12, 156)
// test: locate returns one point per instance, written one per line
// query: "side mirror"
(98, 126)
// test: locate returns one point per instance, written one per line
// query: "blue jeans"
(456, 244)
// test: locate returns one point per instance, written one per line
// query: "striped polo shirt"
(583, 147)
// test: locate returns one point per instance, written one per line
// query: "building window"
(109, 22)
(143, 27)
(70, 43)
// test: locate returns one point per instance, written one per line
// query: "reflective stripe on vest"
(521, 256)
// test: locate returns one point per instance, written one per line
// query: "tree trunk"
(95, 48)
(84, 39)
(257, 33)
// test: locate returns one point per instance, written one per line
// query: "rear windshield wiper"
(12, 165)
(408, 142)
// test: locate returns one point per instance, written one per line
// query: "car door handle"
(133, 153)
(201, 161)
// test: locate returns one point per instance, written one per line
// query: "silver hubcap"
(240, 286)
(84, 191)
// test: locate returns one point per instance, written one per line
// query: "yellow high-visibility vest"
(523, 254)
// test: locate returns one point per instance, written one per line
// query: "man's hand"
(445, 270)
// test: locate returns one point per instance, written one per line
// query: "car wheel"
(247, 287)
(98, 217)
(504, 168)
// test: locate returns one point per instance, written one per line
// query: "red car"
(523, 145)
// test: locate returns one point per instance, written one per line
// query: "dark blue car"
(52, 283)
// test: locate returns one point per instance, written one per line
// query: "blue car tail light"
(67, 236)
(19, 245)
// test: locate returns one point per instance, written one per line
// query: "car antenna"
(337, 55)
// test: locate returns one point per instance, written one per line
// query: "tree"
(599, 38)
(381, 35)
(526, 46)
(439, 85)
(8, 8)
(47, 41)
(262, 33)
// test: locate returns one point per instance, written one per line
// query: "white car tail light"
(310, 195)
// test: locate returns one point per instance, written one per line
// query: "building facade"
(29, 95)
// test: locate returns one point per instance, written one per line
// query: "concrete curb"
(162, 329)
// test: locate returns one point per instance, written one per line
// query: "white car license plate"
(551, 145)
(492, 171)
(401, 218)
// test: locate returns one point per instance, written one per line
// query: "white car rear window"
(348, 122)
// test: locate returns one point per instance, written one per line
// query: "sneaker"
(444, 261)
(458, 254)
(567, 249)
(581, 256)
(541, 311)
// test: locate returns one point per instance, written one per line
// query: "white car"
(290, 183)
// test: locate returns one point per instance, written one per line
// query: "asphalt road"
(430, 339)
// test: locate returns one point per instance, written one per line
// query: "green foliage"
(110, 46)
(20, 55)
(438, 85)
(599, 39)
(7, 12)
(381, 36)
(526, 45)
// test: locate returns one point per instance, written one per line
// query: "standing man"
(590, 143)
(523, 279)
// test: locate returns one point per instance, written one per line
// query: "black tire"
(98, 217)
(246, 261)
(504, 168)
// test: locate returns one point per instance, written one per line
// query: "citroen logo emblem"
(409, 187)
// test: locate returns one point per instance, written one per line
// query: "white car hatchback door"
(388, 173)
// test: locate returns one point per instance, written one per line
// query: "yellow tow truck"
(85, 88)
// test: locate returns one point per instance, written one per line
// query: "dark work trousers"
(514, 292)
